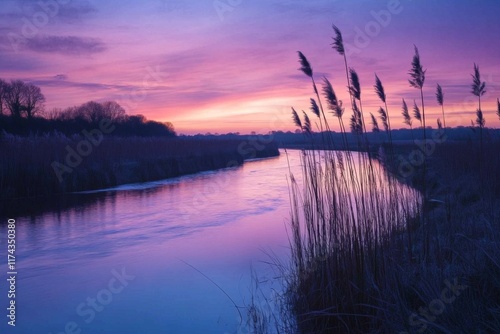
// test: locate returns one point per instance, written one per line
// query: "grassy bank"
(40, 166)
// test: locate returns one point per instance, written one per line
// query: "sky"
(231, 65)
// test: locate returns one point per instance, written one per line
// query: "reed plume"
(307, 124)
(498, 108)
(440, 100)
(384, 113)
(383, 117)
(479, 89)
(356, 121)
(439, 124)
(417, 80)
(314, 107)
(338, 41)
(331, 98)
(338, 45)
(355, 91)
(379, 89)
(318, 108)
(417, 73)
(478, 86)
(376, 128)
(416, 112)
(406, 114)
(480, 121)
(305, 65)
(296, 118)
(354, 87)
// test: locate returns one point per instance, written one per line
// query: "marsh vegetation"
(373, 258)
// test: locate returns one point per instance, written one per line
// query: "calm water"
(124, 261)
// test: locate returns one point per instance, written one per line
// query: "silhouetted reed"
(440, 100)
(498, 108)
(367, 250)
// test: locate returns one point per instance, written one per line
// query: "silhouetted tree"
(113, 111)
(33, 100)
(18, 97)
(171, 128)
(22, 98)
(14, 97)
(91, 111)
(3, 92)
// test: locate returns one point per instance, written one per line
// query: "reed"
(498, 108)
(368, 250)
(479, 89)
(417, 80)
(374, 122)
(416, 113)
(440, 100)
(384, 113)
(478, 86)
(340, 220)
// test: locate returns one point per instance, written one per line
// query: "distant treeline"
(313, 140)
(22, 104)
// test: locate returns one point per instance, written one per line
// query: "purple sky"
(231, 65)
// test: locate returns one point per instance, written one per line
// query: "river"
(172, 256)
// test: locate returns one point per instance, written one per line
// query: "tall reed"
(342, 215)
(498, 108)
(440, 100)
(367, 250)
(479, 89)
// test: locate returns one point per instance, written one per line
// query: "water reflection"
(223, 223)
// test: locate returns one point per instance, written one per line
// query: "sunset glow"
(231, 66)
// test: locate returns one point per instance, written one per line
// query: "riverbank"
(458, 237)
(431, 267)
(44, 166)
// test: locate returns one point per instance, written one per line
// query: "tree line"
(22, 112)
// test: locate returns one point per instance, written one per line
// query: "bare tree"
(54, 113)
(33, 100)
(113, 111)
(14, 97)
(91, 111)
(3, 92)
(94, 111)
